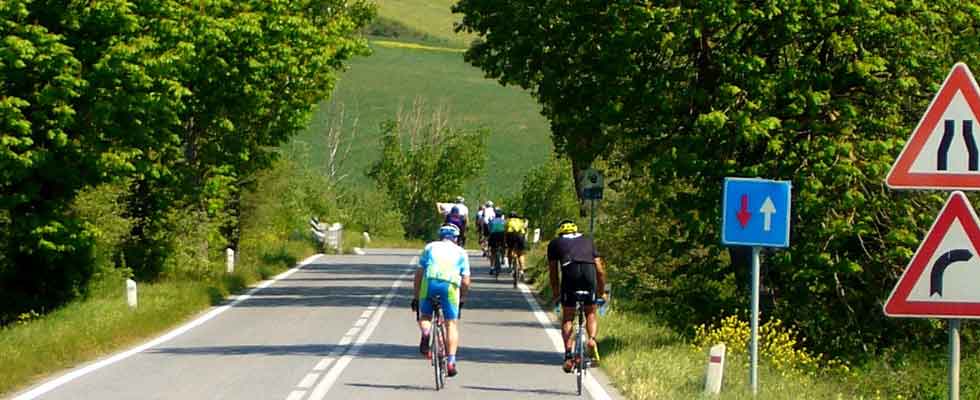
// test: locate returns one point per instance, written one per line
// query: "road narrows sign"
(942, 152)
(941, 278)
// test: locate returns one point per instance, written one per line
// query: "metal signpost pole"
(954, 359)
(754, 343)
(592, 217)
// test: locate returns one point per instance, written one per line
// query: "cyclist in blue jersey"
(444, 270)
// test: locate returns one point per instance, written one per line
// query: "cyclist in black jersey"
(581, 267)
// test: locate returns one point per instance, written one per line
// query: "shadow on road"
(393, 387)
(517, 390)
(371, 350)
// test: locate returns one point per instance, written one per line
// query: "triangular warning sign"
(943, 278)
(942, 152)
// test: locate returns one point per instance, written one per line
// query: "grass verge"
(99, 325)
(647, 359)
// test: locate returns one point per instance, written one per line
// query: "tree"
(822, 94)
(424, 161)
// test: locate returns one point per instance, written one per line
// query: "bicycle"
(513, 260)
(582, 364)
(496, 261)
(437, 342)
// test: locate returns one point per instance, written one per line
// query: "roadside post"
(940, 280)
(755, 212)
(230, 260)
(592, 186)
(131, 296)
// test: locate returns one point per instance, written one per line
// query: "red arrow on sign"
(744, 215)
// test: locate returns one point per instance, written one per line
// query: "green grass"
(646, 359)
(376, 87)
(429, 17)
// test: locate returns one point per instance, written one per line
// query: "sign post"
(592, 186)
(755, 212)
(942, 154)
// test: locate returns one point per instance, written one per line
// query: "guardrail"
(329, 237)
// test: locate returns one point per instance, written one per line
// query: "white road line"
(345, 341)
(352, 331)
(308, 380)
(82, 371)
(296, 395)
(324, 363)
(591, 385)
(360, 322)
(321, 389)
(365, 314)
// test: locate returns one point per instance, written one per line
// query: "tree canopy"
(678, 95)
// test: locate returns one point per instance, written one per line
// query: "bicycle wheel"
(515, 272)
(579, 356)
(434, 349)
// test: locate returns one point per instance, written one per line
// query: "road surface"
(337, 327)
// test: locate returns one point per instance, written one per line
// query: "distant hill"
(432, 69)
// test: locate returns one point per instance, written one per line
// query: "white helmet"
(460, 199)
(489, 203)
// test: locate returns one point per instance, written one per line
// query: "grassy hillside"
(432, 18)
(396, 74)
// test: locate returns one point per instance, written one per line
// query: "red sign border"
(956, 207)
(960, 79)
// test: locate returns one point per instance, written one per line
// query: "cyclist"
(497, 228)
(463, 210)
(581, 268)
(455, 218)
(514, 237)
(486, 217)
(444, 269)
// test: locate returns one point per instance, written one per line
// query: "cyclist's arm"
(553, 277)
(600, 276)
(418, 282)
(464, 287)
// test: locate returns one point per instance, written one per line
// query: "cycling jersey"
(516, 225)
(497, 225)
(444, 261)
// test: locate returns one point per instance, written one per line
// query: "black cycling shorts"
(496, 239)
(575, 277)
(516, 241)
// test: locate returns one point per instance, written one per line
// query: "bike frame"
(438, 342)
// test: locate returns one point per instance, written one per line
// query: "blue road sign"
(755, 212)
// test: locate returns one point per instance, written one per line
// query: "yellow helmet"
(566, 226)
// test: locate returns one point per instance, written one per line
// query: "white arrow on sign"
(768, 209)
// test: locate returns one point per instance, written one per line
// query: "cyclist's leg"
(425, 315)
(450, 307)
(591, 321)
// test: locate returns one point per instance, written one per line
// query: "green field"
(430, 17)
(376, 87)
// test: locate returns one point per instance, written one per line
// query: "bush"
(546, 197)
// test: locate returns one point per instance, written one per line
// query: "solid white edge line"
(321, 389)
(79, 372)
(591, 385)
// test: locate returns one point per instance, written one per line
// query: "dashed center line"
(345, 351)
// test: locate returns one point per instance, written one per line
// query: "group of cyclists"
(443, 272)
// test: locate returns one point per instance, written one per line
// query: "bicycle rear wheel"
(436, 349)
(579, 357)
(515, 272)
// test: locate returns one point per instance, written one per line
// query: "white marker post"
(537, 235)
(230, 262)
(716, 369)
(131, 295)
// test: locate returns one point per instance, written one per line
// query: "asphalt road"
(338, 327)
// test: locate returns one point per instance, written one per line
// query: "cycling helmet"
(460, 199)
(448, 231)
(454, 210)
(512, 215)
(489, 204)
(567, 226)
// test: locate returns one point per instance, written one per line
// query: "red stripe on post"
(715, 359)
